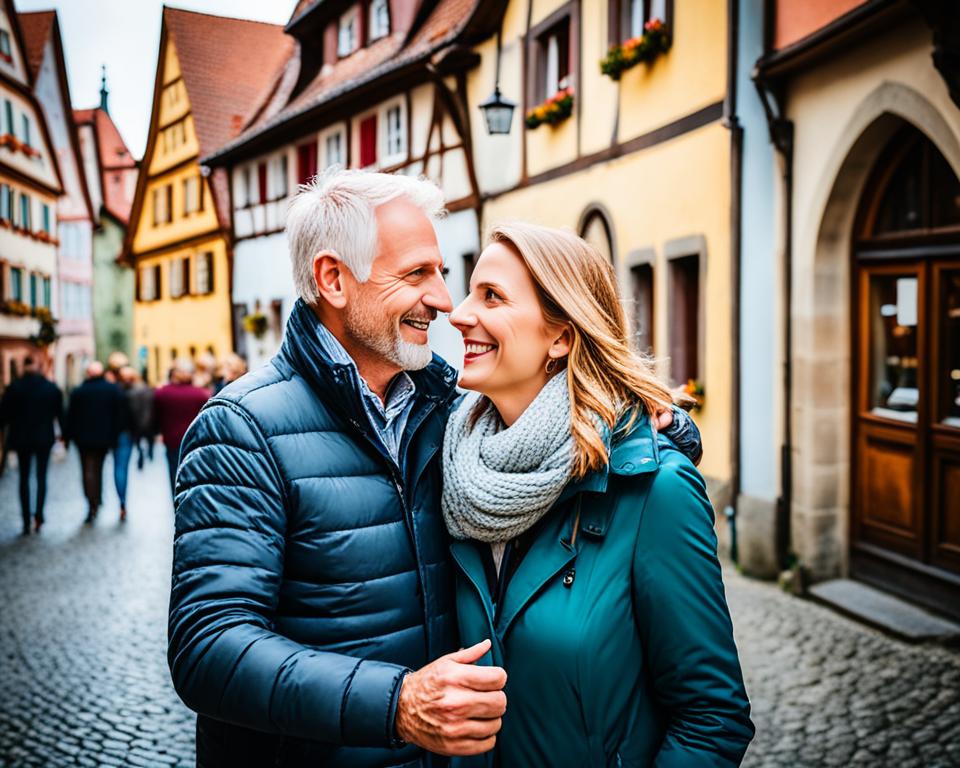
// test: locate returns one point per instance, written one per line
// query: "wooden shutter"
(368, 141)
(185, 266)
(262, 181)
(306, 162)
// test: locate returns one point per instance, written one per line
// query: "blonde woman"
(584, 541)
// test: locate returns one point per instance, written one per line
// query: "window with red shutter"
(306, 162)
(262, 181)
(368, 141)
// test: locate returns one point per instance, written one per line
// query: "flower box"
(14, 307)
(256, 323)
(643, 48)
(554, 110)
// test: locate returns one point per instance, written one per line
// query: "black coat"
(96, 414)
(29, 407)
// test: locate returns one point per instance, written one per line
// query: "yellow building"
(640, 165)
(179, 235)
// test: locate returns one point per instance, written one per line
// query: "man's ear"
(561, 343)
(328, 277)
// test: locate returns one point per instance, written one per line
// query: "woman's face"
(507, 340)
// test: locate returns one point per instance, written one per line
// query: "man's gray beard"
(365, 325)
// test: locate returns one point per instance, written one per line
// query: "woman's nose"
(462, 317)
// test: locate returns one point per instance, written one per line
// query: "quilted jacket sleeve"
(225, 658)
(685, 625)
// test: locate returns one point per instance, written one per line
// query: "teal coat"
(619, 649)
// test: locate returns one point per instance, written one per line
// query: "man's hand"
(451, 706)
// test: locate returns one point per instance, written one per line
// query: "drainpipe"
(731, 121)
(781, 136)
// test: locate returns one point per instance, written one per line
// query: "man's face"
(389, 313)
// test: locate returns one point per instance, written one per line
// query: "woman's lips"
(474, 350)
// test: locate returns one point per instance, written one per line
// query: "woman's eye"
(490, 295)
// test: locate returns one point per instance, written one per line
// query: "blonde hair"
(605, 377)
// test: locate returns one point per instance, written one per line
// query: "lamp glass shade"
(498, 113)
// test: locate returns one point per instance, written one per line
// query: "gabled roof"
(385, 56)
(227, 64)
(36, 29)
(112, 157)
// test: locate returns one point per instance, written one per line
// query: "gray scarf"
(497, 483)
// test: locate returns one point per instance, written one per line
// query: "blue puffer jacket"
(310, 571)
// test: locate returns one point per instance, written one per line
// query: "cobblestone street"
(84, 678)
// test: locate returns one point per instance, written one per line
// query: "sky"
(125, 35)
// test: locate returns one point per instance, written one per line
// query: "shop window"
(306, 162)
(641, 284)
(368, 141)
(379, 19)
(684, 310)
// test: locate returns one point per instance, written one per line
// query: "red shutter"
(262, 181)
(306, 162)
(368, 141)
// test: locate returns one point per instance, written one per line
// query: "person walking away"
(140, 399)
(175, 406)
(29, 407)
(94, 420)
(124, 446)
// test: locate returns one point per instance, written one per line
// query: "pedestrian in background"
(124, 445)
(175, 406)
(94, 420)
(230, 368)
(29, 407)
(140, 400)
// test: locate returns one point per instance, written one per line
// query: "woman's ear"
(560, 347)
(328, 277)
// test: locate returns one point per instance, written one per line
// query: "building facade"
(111, 173)
(862, 99)
(73, 286)
(621, 135)
(178, 241)
(369, 87)
(29, 188)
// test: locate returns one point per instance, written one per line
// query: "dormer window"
(348, 32)
(379, 19)
(6, 52)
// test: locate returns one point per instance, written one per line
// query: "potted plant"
(47, 333)
(554, 110)
(646, 47)
(255, 323)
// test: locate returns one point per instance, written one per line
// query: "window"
(191, 195)
(149, 283)
(205, 273)
(262, 182)
(6, 203)
(395, 135)
(16, 283)
(8, 114)
(172, 93)
(379, 19)
(6, 52)
(684, 298)
(277, 186)
(333, 148)
(627, 17)
(306, 162)
(162, 204)
(641, 283)
(46, 292)
(551, 52)
(368, 141)
(45, 210)
(469, 262)
(33, 290)
(25, 121)
(179, 277)
(25, 218)
(347, 33)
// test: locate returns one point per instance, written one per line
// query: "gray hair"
(335, 212)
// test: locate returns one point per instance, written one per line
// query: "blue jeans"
(121, 465)
(173, 458)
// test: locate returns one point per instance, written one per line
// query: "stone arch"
(598, 212)
(821, 311)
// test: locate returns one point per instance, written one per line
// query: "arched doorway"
(905, 483)
(596, 229)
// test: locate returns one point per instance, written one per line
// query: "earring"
(551, 365)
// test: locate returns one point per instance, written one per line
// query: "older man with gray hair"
(311, 613)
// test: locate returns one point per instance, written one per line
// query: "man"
(311, 612)
(30, 405)
(175, 405)
(94, 420)
(140, 400)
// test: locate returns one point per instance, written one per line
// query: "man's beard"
(365, 324)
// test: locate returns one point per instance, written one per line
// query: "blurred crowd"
(114, 411)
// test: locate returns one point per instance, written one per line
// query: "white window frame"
(148, 287)
(331, 133)
(348, 28)
(191, 195)
(278, 181)
(393, 135)
(379, 19)
(175, 272)
(202, 277)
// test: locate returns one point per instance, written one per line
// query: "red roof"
(114, 159)
(36, 28)
(363, 66)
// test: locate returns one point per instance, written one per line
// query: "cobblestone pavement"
(84, 681)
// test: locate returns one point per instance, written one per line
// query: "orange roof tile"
(36, 28)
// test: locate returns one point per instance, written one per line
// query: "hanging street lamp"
(497, 110)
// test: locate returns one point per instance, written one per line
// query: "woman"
(584, 542)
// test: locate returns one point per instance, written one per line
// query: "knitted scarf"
(498, 482)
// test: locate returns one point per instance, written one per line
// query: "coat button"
(628, 466)
(568, 577)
